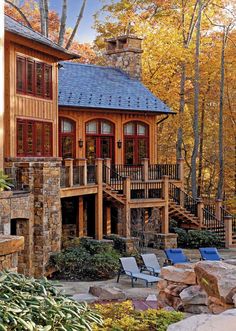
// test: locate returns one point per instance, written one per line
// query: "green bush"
(123, 317)
(86, 260)
(196, 238)
(5, 181)
(36, 305)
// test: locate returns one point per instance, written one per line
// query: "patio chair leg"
(132, 282)
(118, 277)
(146, 284)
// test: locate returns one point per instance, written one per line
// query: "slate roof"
(91, 86)
(15, 27)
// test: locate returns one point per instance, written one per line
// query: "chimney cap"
(123, 37)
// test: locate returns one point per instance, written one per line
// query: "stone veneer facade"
(37, 213)
(10, 246)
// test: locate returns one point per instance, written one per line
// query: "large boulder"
(107, 293)
(218, 279)
(205, 322)
(194, 295)
(181, 274)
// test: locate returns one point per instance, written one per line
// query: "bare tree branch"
(20, 12)
(42, 16)
(63, 23)
(76, 25)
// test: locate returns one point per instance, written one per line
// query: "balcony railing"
(135, 172)
(157, 171)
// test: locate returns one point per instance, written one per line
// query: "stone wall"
(9, 248)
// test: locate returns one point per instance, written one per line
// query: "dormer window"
(33, 78)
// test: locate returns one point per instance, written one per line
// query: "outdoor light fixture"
(119, 143)
(81, 143)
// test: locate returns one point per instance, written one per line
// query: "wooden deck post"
(99, 202)
(127, 214)
(83, 163)
(107, 227)
(69, 163)
(200, 206)
(218, 205)
(107, 163)
(80, 217)
(2, 87)
(228, 231)
(145, 166)
(165, 208)
(180, 163)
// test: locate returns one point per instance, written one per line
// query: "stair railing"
(113, 179)
(213, 224)
(225, 213)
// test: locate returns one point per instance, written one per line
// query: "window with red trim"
(33, 78)
(34, 138)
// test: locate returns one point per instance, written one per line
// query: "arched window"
(66, 138)
(136, 142)
(99, 140)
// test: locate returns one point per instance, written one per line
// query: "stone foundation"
(164, 241)
(10, 246)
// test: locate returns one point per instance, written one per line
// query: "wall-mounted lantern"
(119, 143)
(81, 143)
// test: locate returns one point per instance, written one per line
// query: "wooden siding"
(23, 106)
(81, 116)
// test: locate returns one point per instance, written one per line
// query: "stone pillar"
(165, 208)
(69, 163)
(180, 163)
(99, 202)
(83, 163)
(127, 213)
(218, 206)
(107, 227)
(145, 166)
(228, 231)
(200, 206)
(107, 163)
(80, 217)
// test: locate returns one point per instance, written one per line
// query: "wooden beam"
(80, 217)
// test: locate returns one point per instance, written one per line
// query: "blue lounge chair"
(151, 263)
(130, 268)
(176, 255)
(210, 254)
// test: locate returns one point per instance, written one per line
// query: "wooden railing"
(157, 171)
(225, 213)
(113, 179)
(147, 190)
(135, 172)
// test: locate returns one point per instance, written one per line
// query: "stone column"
(99, 202)
(69, 163)
(165, 208)
(228, 231)
(127, 213)
(80, 217)
(200, 206)
(145, 166)
(2, 86)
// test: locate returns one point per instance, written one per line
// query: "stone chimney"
(125, 53)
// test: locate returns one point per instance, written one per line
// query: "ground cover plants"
(37, 305)
(123, 317)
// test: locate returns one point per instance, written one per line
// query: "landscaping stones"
(185, 275)
(107, 293)
(218, 279)
(206, 322)
(194, 295)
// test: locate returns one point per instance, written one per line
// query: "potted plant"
(5, 182)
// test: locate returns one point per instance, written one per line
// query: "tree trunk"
(201, 142)
(76, 25)
(179, 143)
(196, 105)
(46, 16)
(63, 23)
(42, 17)
(222, 86)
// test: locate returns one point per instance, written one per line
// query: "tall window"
(136, 142)
(67, 138)
(33, 78)
(34, 138)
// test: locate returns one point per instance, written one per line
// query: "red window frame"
(136, 138)
(68, 134)
(98, 136)
(30, 149)
(46, 92)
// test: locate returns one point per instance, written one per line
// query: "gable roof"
(11, 25)
(91, 86)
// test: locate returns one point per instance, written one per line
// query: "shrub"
(30, 304)
(197, 238)
(123, 317)
(86, 260)
(5, 181)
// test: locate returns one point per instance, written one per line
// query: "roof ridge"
(31, 29)
(92, 65)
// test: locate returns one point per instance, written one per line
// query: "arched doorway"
(67, 143)
(99, 140)
(136, 142)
